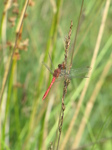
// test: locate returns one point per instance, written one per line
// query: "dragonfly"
(61, 72)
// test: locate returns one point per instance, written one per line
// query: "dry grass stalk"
(91, 102)
(10, 58)
(73, 50)
(66, 83)
(101, 141)
(89, 74)
(7, 66)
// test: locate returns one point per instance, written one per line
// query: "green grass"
(27, 122)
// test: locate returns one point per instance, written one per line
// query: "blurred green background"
(27, 122)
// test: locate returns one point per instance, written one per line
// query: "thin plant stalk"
(91, 102)
(67, 81)
(98, 42)
(76, 34)
(88, 29)
(50, 48)
(101, 141)
(9, 63)
(3, 105)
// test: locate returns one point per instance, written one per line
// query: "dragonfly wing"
(74, 73)
(51, 61)
(60, 78)
(47, 67)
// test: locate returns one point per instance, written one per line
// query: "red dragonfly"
(62, 72)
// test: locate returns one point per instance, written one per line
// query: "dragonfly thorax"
(57, 72)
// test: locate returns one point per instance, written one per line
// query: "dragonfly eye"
(59, 66)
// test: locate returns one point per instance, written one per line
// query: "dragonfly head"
(61, 66)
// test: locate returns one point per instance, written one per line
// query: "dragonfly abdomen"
(46, 93)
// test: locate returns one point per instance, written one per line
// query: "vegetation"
(27, 36)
